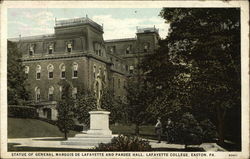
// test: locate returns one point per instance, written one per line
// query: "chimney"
(20, 36)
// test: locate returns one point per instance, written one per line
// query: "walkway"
(55, 142)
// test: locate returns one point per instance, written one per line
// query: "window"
(38, 72)
(51, 92)
(63, 69)
(50, 71)
(37, 93)
(31, 49)
(126, 67)
(128, 49)
(104, 76)
(98, 50)
(74, 93)
(131, 69)
(119, 83)
(26, 71)
(75, 70)
(146, 47)
(112, 49)
(51, 48)
(60, 92)
(94, 71)
(69, 47)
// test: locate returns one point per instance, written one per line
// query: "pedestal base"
(99, 131)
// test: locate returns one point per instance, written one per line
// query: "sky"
(117, 22)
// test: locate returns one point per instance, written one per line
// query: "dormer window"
(98, 50)
(112, 49)
(51, 48)
(31, 50)
(69, 47)
(128, 49)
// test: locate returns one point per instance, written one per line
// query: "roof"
(77, 21)
(147, 30)
(36, 37)
(120, 40)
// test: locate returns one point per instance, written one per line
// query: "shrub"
(209, 130)
(186, 131)
(22, 111)
(125, 143)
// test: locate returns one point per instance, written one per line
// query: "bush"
(186, 131)
(125, 143)
(22, 111)
(209, 130)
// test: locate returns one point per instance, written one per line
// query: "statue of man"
(98, 91)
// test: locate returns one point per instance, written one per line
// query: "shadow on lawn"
(50, 139)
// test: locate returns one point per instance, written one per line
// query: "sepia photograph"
(126, 82)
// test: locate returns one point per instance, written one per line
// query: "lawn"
(24, 128)
(27, 128)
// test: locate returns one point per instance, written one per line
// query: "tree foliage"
(138, 97)
(65, 108)
(198, 65)
(17, 86)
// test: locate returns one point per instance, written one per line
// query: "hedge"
(22, 111)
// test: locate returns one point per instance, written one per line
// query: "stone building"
(78, 53)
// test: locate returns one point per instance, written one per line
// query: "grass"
(130, 129)
(28, 128)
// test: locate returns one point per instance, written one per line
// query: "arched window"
(50, 94)
(60, 92)
(94, 71)
(119, 83)
(75, 70)
(50, 69)
(105, 75)
(38, 72)
(74, 93)
(26, 69)
(63, 71)
(37, 94)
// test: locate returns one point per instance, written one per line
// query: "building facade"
(78, 53)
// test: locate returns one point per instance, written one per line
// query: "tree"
(112, 104)
(17, 86)
(137, 102)
(85, 102)
(201, 58)
(65, 108)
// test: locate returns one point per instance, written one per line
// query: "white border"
(244, 5)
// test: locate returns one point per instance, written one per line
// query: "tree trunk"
(137, 130)
(65, 135)
(220, 118)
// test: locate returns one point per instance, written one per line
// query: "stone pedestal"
(99, 131)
